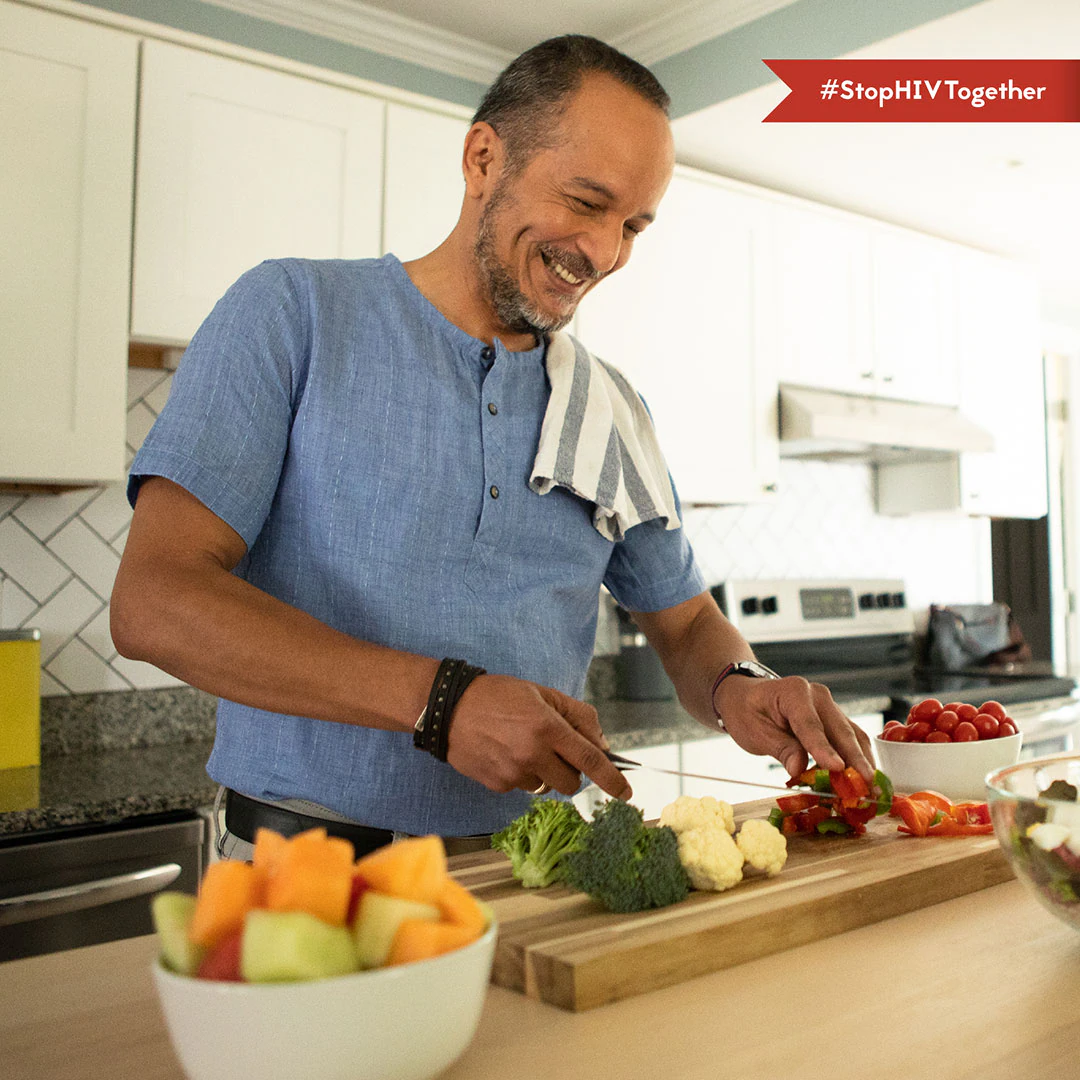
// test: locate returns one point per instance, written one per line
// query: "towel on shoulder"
(597, 440)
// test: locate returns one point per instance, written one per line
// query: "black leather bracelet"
(432, 731)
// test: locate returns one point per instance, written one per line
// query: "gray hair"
(524, 103)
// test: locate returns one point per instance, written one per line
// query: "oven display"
(827, 603)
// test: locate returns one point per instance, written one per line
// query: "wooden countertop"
(986, 986)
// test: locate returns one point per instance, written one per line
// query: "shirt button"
(494, 491)
(487, 353)
(493, 408)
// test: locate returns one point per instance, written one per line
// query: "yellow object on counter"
(20, 698)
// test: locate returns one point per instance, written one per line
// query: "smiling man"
(342, 490)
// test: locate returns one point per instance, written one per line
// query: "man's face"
(549, 233)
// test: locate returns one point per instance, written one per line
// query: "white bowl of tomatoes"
(948, 747)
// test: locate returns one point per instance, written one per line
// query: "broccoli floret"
(625, 865)
(539, 841)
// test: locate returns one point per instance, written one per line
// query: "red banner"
(927, 91)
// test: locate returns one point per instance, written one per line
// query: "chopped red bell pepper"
(917, 815)
(849, 784)
(793, 804)
(971, 813)
(948, 826)
(923, 815)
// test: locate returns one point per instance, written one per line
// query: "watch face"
(752, 667)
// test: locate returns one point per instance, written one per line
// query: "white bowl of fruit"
(948, 748)
(306, 964)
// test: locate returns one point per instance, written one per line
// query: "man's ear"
(482, 159)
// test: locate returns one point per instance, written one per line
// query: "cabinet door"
(237, 164)
(914, 327)
(424, 183)
(684, 321)
(67, 133)
(722, 756)
(1002, 389)
(821, 301)
(652, 791)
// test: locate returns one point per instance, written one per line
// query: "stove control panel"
(804, 608)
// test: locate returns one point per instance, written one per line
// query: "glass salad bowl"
(1036, 813)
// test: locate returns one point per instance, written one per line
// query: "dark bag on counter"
(965, 635)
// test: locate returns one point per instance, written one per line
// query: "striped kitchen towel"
(598, 441)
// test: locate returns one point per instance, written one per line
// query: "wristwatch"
(751, 668)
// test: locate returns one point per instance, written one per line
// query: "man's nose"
(602, 245)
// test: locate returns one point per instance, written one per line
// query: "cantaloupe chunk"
(269, 849)
(419, 939)
(413, 869)
(459, 906)
(229, 890)
(313, 874)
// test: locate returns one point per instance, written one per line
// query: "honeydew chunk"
(377, 920)
(172, 913)
(287, 946)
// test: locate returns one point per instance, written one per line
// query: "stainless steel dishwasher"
(65, 888)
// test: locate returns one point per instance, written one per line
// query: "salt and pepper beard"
(512, 307)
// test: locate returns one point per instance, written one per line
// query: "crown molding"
(360, 24)
(683, 27)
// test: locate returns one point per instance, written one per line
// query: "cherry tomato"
(1006, 727)
(965, 732)
(986, 725)
(953, 705)
(966, 712)
(900, 733)
(994, 708)
(938, 736)
(947, 720)
(924, 710)
(919, 731)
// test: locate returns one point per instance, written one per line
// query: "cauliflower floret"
(688, 812)
(763, 845)
(710, 858)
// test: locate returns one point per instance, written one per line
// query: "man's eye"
(583, 203)
(633, 229)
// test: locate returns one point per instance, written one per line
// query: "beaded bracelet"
(432, 730)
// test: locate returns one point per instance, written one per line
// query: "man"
(336, 495)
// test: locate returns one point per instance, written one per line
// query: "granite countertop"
(107, 758)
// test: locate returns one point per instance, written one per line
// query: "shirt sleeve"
(224, 430)
(653, 567)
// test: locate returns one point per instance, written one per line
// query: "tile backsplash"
(59, 553)
(58, 559)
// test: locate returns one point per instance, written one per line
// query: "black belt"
(243, 816)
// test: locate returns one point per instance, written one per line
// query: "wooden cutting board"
(561, 947)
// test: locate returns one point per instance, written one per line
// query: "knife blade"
(624, 763)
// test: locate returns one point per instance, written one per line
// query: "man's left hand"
(792, 720)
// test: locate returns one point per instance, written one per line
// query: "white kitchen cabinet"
(722, 756)
(424, 182)
(67, 129)
(1001, 389)
(820, 299)
(686, 321)
(652, 791)
(862, 308)
(912, 315)
(238, 163)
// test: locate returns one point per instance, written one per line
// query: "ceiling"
(1007, 188)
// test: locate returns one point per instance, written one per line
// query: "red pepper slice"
(792, 804)
(971, 813)
(858, 815)
(916, 815)
(849, 783)
(950, 827)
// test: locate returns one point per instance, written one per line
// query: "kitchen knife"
(624, 763)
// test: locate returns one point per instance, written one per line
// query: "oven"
(857, 637)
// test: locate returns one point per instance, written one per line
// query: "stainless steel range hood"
(831, 426)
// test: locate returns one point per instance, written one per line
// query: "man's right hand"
(509, 733)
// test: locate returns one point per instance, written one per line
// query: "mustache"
(579, 265)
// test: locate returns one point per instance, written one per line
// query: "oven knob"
(769, 605)
(898, 599)
(884, 599)
(866, 601)
(750, 605)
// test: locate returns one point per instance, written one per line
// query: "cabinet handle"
(866, 375)
(887, 378)
(40, 905)
(770, 487)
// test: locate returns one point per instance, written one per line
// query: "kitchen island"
(986, 986)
